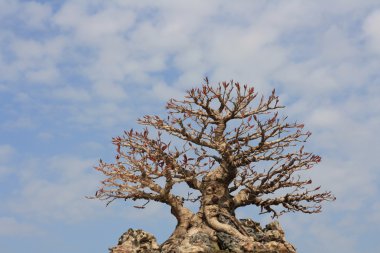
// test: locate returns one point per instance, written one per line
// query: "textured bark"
(217, 201)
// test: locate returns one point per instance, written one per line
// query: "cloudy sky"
(75, 73)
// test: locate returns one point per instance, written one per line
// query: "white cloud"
(36, 15)
(11, 227)
(58, 191)
(372, 30)
(3, 88)
(164, 92)
(32, 14)
(103, 114)
(6, 153)
(45, 136)
(92, 145)
(55, 189)
(7, 7)
(71, 93)
(349, 181)
(42, 76)
(34, 60)
(20, 122)
(326, 117)
(323, 234)
(375, 213)
(111, 91)
(318, 235)
(22, 97)
(92, 26)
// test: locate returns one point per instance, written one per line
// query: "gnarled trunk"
(215, 221)
(216, 203)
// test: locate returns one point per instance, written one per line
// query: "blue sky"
(74, 74)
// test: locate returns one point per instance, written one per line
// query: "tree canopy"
(236, 150)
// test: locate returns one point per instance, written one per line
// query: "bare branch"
(233, 140)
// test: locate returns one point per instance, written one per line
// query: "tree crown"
(231, 136)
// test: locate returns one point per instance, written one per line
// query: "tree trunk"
(215, 220)
(218, 206)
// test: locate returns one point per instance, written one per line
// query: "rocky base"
(270, 239)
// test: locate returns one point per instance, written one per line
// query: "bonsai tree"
(233, 149)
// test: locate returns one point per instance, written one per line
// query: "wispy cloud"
(6, 152)
(6, 155)
(371, 30)
(55, 189)
(11, 227)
